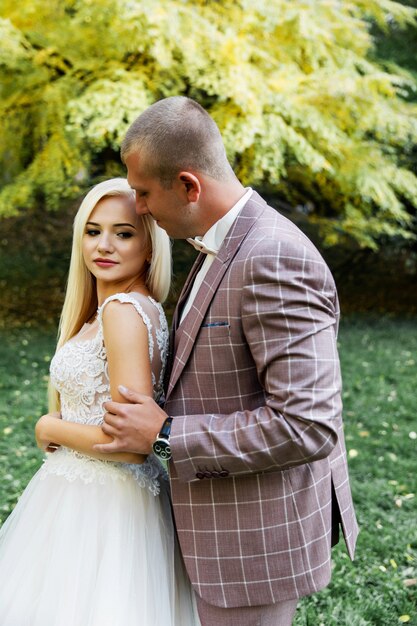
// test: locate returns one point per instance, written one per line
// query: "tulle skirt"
(89, 546)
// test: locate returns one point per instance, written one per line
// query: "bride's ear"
(190, 186)
(148, 257)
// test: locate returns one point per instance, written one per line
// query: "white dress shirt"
(212, 241)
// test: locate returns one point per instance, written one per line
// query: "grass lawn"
(380, 382)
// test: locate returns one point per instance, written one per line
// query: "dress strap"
(129, 298)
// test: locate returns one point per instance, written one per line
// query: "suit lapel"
(185, 335)
(186, 290)
(177, 314)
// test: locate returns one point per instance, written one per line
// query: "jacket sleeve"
(289, 316)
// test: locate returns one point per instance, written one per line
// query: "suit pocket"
(214, 333)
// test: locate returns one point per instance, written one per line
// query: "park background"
(316, 101)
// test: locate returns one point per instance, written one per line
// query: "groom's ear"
(190, 185)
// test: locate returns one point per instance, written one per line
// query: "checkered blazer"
(259, 477)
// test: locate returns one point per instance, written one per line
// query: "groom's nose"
(141, 206)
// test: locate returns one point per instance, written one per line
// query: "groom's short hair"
(177, 134)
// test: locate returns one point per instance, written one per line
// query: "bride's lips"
(105, 262)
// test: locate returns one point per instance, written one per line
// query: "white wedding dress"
(90, 542)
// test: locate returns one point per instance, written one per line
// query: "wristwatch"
(160, 446)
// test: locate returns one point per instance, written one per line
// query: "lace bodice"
(80, 374)
(79, 368)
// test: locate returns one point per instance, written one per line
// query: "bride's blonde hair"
(80, 302)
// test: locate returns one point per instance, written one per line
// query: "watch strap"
(165, 431)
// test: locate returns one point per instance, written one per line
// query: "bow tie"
(200, 246)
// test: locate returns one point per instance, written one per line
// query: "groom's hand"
(133, 425)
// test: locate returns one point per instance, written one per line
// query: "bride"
(91, 540)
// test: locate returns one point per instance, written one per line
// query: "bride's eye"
(125, 235)
(92, 232)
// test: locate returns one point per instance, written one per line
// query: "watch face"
(162, 449)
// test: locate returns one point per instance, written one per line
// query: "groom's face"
(169, 207)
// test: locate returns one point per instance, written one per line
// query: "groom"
(252, 416)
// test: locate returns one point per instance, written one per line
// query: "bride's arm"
(51, 431)
(126, 341)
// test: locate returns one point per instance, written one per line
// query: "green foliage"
(24, 361)
(304, 110)
(379, 372)
(396, 48)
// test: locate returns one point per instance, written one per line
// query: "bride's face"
(114, 244)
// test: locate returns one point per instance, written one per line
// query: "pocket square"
(214, 324)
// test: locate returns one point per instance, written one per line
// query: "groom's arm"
(289, 318)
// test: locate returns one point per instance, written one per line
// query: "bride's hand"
(42, 440)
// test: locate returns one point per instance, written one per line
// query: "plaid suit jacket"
(259, 477)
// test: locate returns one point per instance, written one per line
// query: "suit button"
(200, 475)
(208, 474)
(224, 473)
(215, 474)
